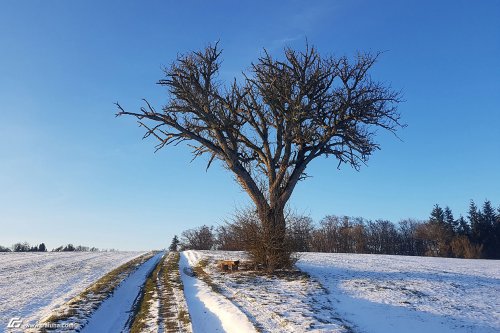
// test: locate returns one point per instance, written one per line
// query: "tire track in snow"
(210, 311)
(114, 313)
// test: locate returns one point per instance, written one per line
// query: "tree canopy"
(269, 127)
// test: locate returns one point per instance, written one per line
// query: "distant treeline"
(441, 235)
(26, 247)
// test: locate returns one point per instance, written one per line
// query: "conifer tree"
(463, 227)
(451, 223)
(174, 245)
(437, 215)
(439, 234)
(474, 217)
(496, 233)
(488, 219)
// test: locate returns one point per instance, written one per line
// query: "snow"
(33, 284)
(337, 293)
(176, 304)
(164, 305)
(209, 311)
(350, 293)
(378, 293)
(114, 313)
(152, 317)
(271, 303)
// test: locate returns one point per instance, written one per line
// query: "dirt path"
(115, 312)
(210, 311)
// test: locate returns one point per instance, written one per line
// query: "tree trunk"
(276, 252)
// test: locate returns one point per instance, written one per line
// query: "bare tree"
(242, 232)
(268, 128)
(201, 238)
(411, 244)
(299, 229)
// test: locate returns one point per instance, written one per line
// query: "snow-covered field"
(378, 293)
(340, 293)
(33, 284)
(280, 303)
(347, 293)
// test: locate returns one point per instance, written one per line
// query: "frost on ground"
(288, 302)
(379, 293)
(33, 284)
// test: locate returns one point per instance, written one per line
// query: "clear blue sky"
(72, 172)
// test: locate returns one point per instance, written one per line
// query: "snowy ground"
(114, 314)
(209, 311)
(341, 293)
(346, 293)
(286, 303)
(377, 293)
(33, 284)
(163, 307)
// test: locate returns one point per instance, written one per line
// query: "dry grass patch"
(79, 308)
(173, 307)
(201, 273)
(149, 296)
(163, 307)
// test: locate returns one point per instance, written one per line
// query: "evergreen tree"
(174, 245)
(496, 233)
(474, 217)
(42, 248)
(437, 215)
(488, 220)
(438, 233)
(488, 215)
(451, 223)
(463, 227)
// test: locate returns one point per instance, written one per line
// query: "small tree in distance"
(174, 245)
(268, 128)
